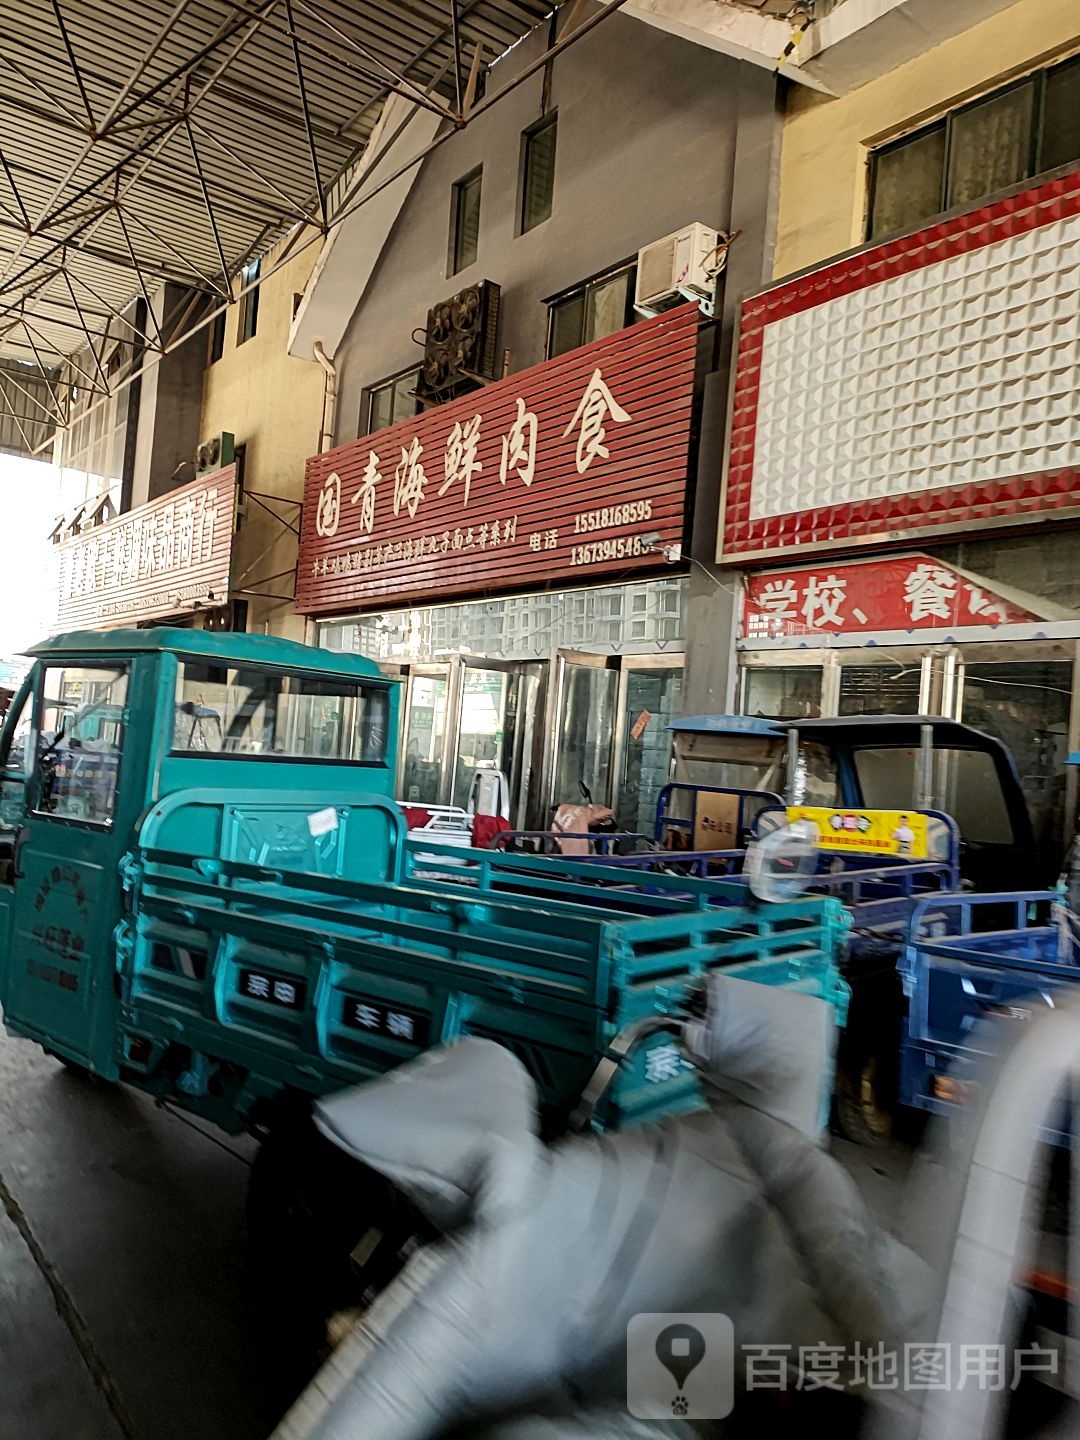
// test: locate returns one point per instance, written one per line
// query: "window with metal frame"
(591, 311)
(79, 739)
(537, 172)
(465, 221)
(246, 712)
(1026, 128)
(216, 347)
(389, 401)
(249, 302)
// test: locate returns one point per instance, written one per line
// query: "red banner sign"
(913, 593)
(571, 469)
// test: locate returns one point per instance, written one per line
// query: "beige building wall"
(824, 171)
(272, 403)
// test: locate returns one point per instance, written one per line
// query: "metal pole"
(74, 65)
(208, 319)
(924, 789)
(15, 191)
(78, 310)
(140, 68)
(306, 109)
(791, 783)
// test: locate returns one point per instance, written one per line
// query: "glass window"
(1061, 117)
(593, 311)
(80, 735)
(392, 400)
(782, 694)
(1025, 705)
(265, 713)
(966, 786)
(880, 690)
(249, 303)
(977, 150)
(217, 338)
(755, 762)
(425, 737)
(585, 734)
(652, 701)
(566, 324)
(990, 146)
(465, 241)
(17, 765)
(538, 173)
(907, 183)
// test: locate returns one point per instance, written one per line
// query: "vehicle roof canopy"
(727, 725)
(902, 731)
(225, 647)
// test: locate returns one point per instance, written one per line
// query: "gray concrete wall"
(646, 143)
(713, 602)
(170, 405)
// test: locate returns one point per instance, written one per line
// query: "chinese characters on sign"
(499, 486)
(164, 558)
(915, 593)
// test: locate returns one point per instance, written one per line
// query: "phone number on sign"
(624, 548)
(627, 514)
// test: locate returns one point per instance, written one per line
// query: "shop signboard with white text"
(169, 557)
(569, 470)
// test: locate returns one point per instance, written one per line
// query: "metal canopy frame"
(153, 141)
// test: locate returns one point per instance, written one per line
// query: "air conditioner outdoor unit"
(460, 342)
(212, 454)
(679, 267)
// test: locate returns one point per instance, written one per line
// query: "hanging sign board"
(572, 469)
(169, 557)
(911, 592)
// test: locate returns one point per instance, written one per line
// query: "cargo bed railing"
(272, 978)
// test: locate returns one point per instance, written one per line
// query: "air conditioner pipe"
(329, 408)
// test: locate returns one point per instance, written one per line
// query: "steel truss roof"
(154, 140)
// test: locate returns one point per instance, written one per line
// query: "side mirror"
(780, 865)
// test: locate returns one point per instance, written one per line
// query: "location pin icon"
(680, 1349)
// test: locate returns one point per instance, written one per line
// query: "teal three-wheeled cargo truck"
(204, 894)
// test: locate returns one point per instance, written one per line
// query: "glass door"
(584, 728)
(424, 734)
(498, 728)
(1025, 703)
(651, 694)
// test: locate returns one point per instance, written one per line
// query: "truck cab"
(880, 762)
(107, 726)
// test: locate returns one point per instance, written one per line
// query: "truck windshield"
(755, 762)
(251, 712)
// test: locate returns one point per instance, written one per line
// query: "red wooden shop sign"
(571, 469)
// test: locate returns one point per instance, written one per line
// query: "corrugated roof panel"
(248, 126)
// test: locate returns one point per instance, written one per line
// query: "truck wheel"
(324, 1236)
(864, 1114)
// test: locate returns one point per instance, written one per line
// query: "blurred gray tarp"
(521, 1310)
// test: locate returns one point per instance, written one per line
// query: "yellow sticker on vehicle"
(867, 832)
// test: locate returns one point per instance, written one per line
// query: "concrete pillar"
(713, 610)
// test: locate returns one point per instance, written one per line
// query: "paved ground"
(124, 1296)
(125, 1300)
